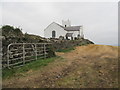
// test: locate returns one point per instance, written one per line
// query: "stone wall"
(63, 44)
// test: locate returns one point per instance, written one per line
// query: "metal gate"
(19, 54)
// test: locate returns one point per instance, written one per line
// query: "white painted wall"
(75, 33)
(60, 31)
(81, 32)
(54, 27)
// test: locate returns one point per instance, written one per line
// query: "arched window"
(53, 34)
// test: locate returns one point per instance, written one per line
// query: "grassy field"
(7, 73)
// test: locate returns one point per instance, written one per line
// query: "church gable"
(53, 24)
(54, 30)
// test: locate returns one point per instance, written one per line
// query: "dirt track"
(86, 66)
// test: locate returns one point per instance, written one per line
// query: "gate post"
(23, 53)
(8, 55)
(44, 50)
(36, 51)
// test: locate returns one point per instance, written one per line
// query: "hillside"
(91, 66)
(12, 34)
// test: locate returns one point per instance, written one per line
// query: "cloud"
(98, 19)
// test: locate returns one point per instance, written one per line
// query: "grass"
(35, 65)
(66, 50)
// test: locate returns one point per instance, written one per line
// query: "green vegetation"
(65, 50)
(35, 65)
(11, 34)
(10, 31)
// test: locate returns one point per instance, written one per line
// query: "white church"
(55, 30)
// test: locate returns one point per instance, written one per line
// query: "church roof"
(70, 28)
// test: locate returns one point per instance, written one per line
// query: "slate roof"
(71, 28)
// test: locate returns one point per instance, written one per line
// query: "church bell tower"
(66, 23)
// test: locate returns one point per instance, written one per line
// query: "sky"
(99, 19)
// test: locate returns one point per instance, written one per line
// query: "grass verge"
(66, 50)
(35, 65)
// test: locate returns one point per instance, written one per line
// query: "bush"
(51, 52)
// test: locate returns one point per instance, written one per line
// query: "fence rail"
(20, 53)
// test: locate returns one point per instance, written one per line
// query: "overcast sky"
(99, 19)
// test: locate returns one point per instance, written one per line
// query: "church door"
(53, 34)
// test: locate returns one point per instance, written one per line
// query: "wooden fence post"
(23, 53)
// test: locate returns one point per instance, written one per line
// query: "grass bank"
(35, 65)
(66, 50)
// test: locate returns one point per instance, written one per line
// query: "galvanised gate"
(19, 54)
